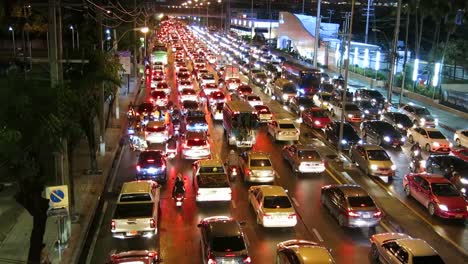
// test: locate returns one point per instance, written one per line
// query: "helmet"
(179, 177)
(232, 152)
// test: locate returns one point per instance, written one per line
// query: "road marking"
(295, 201)
(96, 234)
(114, 173)
(317, 234)
(347, 177)
(333, 176)
(233, 204)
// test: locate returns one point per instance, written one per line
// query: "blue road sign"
(57, 196)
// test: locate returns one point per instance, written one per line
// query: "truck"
(159, 54)
(210, 181)
(137, 210)
(240, 123)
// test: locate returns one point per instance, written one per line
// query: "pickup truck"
(137, 210)
(211, 181)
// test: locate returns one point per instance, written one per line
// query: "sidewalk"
(14, 242)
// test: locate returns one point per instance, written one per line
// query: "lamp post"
(73, 37)
(13, 37)
(222, 14)
(317, 32)
(207, 20)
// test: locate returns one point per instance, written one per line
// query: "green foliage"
(369, 72)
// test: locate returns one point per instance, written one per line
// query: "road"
(179, 238)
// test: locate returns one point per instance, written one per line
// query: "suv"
(256, 167)
(195, 145)
(151, 165)
(223, 240)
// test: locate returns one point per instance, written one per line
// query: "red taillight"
(267, 216)
(378, 214)
(152, 254)
(150, 160)
(152, 223)
(211, 261)
(292, 216)
(249, 172)
(247, 260)
(138, 167)
(352, 214)
(230, 255)
(113, 225)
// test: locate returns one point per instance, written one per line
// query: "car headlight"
(464, 180)
(285, 97)
(436, 121)
(344, 142)
(399, 126)
(403, 139)
(350, 116)
(301, 108)
(258, 80)
(443, 207)
(374, 167)
(317, 123)
(360, 142)
(463, 190)
(436, 144)
(393, 167)
(422, 121)
(380, 112)
(366, 111)
(325, 103)
(301, 91)
(386, 139)
(450, 144)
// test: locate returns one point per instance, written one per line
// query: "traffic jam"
(274, 175)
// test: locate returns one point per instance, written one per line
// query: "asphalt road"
(179, 238)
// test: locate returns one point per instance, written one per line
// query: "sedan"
(371, 111)
(382, 134)
(302, 252)
(315, 117)
(350, 136)
(159, 98)
(420, 116)
(244, 90)
(299, 104)
(461, 138)
(188, 95)
(437, 194)
(264, 114)
(184, 84)
(399, 121)
(431, 139)
(452, 167)
(217, 111)
(373, 160)
(151, 165)
(304, 158)
(283, 130)
(253, 100)
(390, 247)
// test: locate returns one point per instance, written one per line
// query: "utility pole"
(369, 3)
(317, 32)
(330, 14)
(403, 79)
(102, 124)
(393, 55)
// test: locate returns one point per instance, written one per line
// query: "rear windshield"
(211, 169)
(422, 111)
(276, 202)
(435, 134)
(196, 142)
(436, 259)
(134, 210)
(212, 181)
(351, 107)
(260, 163)
(245, 90)
(308, 154)
(361, 201)
(444, 189)
(320, 114)
(286, 126)
(227, 244)
(135, 197)
(403, 119)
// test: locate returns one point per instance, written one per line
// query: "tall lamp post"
(207, 19)
(73, 37)
(12, 30)
(317, 33)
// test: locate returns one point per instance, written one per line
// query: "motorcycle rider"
(450, 172)
(232, 159)
(178, 186)
(416, 151)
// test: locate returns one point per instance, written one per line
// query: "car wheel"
(411, 139)
(407, 190)
(342, 221)
(458, 142)
(374, 254)
(428, 148)
(431, 209)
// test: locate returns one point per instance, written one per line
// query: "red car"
(437, 194)
(461, 153)
(134, 256)
(216, 97)
(315, 117)
(244, 90)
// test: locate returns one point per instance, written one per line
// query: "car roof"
(351, 190)
(371, 147)
(431, 129)
(258, 155)
(318, 254)
(284, 121)
(137, 187)
(271, 190)
(417, 247)
(224, 227)
(155, 123)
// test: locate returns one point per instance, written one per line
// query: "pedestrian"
(44, 255)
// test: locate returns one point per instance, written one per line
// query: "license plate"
(366, 216)
(132, 233)
(458, 216)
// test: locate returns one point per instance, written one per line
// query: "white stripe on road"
(295, 201)
(317, 234)
(233, 204)
(114, 173)
(96, 234)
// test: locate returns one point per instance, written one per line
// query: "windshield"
(276, 202)
(135, 197)
(422, 111)
(245, 90)
(351, 107)
(287, 126)
(212, 181)
(435, 135)
(260, 163)
(208, 76)
(374, 94)
(305, 101)
(262, 109)
(326, 97)
(228, 244)
(327, 88)
(133, 210)
(444, 189)
(308, 154)
(190, 104)
(360, 201)
(367, 104)
(310, 80)
(403, 120)
(377, 155)
(158, 94)
(320, 114)
(435, 259)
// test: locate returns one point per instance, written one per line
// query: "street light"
(207, 20)
(13, 36)
(73, 37)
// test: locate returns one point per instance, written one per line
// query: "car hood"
(381, 163)
(453, 201)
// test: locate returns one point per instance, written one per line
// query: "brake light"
(247, 260)
(150, 160)
(211, 261)
(378, 214)
(152, 223)
(138, 167)
(152, 254)
(249, 172)
(352, 214)
(113, 225)
(267, 217)
(292, 216)
(230, 255)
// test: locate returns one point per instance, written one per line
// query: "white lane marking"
(317, 234)
(96, 234)
(116, 169)
(295, 201)
(233, 204)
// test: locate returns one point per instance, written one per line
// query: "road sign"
(124, 58)
(58, 196)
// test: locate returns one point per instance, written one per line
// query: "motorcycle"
(417, 165)
(233, 171)
(179, 199)
(138, 144)
(176, 125)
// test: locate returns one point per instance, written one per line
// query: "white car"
(322, 99)
(419, 115)
(206, 79)
(253, 100)
(461, 138)
(156, 132)
(217, 111)
(391, 247)
(272, 206)
(195, 145)
(163, 86)
(306, 252)
(188, 95)
(430, 139)
(181, 85)
(210, 181)
(232, 83)
(283, 130)
(180, 68)
(210, 88)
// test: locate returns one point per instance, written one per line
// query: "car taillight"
(292, 216)
(352, 214)
(249, 172)
(152, 254)
(378, 214)
(246, 260)
(152, 223)
(230, 255)
(267, 216)
(113, 225)
(211, 261)
(138, 167)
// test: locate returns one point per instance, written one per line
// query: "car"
(180, 66)
(210, 181)
(163, 86)
(159, 98)
(158, 72)
(461, 138)
(256, 166)
(206, 79)
(397, 248)
(188, 95)
(326, 88)
(315, 117)
(419, 115)
(298, 251)
(217, 111)
(338, 82)
(260, 79)
(243, 90)
(155, 81)
(157, 132)
(184, 76)
(253, 99)
(195, 145)
(263, 112)
(134, 256)
(195, 121)
(350, 136)
(198, 72)
(303, 158)
(371, 95)
(382, 134)
(373, 160)
(371, 111)
(232, 83)
(184, 84)
(283, 90)
(216, 97)
(272, 206)
(399, 121)
(431, 139)
(283, 130)
(151, 165)
(351, 205)
(223, 241)
(437, 194)
(461, 153)
(299, 104)
(210, 88)
(188, 106)
(352, 112)
(322, 99)
(442, 164)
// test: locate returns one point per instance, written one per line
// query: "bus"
(240, 123)
(306, 78)
(159, 54)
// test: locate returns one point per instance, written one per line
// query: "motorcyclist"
(450, 172)
(232, 159)
(171, 145)
(416, 151)
(178, 186)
